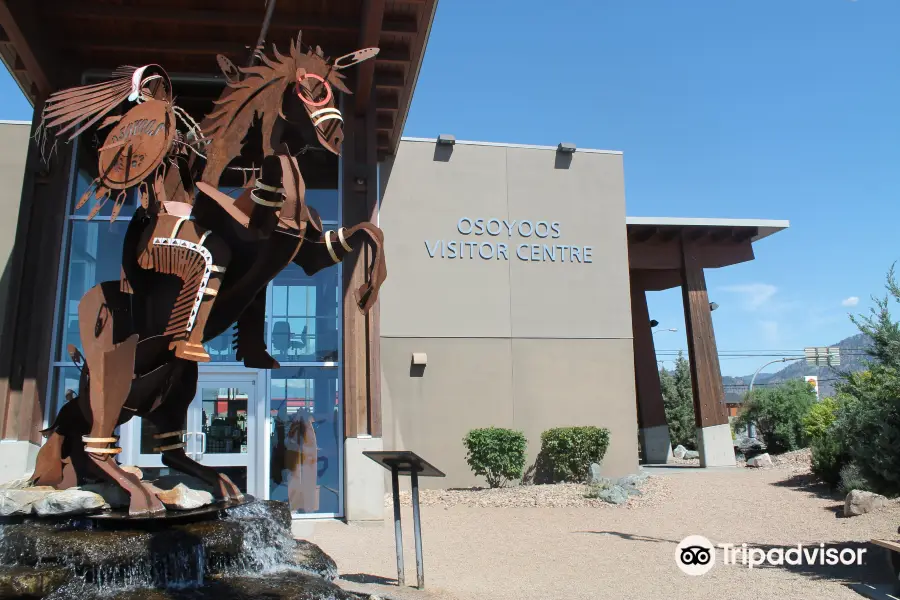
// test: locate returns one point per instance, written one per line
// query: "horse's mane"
(259, 93)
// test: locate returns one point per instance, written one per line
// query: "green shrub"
(819, 418)
(779, 413)
(567, 453)
(828, 458)
(853, 479)
(678, 402)
(496, 454)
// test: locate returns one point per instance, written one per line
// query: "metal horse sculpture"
(195, 261)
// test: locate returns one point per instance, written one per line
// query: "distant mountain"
(853, 357)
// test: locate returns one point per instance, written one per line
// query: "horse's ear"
(228, 69)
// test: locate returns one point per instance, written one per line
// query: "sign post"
(406, 463)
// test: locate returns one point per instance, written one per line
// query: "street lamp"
(673, 330)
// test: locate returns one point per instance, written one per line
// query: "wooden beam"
(706, 376)
(668, 255)
(396, 56)
(4, 37)
(20, 41)
(387, 101)
(389, 80)
(69, 11)
(125, 46)
(655, 280)
(651, 412)
(384, 122)
(400, 25)
(641, 234)
(369, 35)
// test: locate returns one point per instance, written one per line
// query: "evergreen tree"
(678, 400)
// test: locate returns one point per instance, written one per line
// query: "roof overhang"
(47, 44)
(763, 227)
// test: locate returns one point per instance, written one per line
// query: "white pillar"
(363, 480)
(715, 446)
(656, 444)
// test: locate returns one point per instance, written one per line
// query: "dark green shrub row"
(566, 454)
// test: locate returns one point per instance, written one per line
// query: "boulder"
(633, 483)
(689, 454)
(858, 502)
(679, 451)
(69, 502)
(181, 497)
(762, 461)
(15, 501)
(16, 484)
(615, 494)
(594, 476)
(311, 558)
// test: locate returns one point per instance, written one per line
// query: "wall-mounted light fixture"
(653, 322)
(566, 148)
(713, 306)
(446, 139)
(419, 358)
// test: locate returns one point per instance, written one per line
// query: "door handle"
(202, 444)
(184, 440)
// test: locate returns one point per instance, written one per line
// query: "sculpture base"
(225, 552)
(173, 516)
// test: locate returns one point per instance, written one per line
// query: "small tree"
(496, 454)
(779, 413)
(678, 401)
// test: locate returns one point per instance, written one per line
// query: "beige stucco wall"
(510, 342)
(13, 150)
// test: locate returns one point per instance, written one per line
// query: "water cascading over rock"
(226, 553)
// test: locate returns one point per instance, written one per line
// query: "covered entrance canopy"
(664, 253)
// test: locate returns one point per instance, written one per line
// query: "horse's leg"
(333, 247)
(111, 371)
(169, 419)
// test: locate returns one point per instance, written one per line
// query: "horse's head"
(317, 81)
(299, 86)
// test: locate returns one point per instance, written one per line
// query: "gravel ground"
(566, 495)
(480, 547)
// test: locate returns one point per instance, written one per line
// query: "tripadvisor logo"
(696, 555)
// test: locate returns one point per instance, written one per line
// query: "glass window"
(305, 439)
(83, 180)
(95, 255)
(325, 202)
(304, 316)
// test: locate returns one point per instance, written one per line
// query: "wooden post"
(361, 342)
(710, 415)
(654, 430)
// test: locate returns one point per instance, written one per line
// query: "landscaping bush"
(496, 454)
(779, 413)
(828, 458)
(567, 453)
(853, 479)
(819, 418)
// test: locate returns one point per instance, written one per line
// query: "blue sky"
(774, 109)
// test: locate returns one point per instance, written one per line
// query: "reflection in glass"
(224, 420)
(305, 439)
(95, 255)
(325, 202)
(304, 318)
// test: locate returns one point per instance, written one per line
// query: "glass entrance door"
(220, 431)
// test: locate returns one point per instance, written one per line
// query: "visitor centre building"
(516, 289)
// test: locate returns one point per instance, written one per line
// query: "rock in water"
(688, 454)
(16, 501)
(181, 497)
(858, 502)
(69, 502)
(594, 476)
(310, 557)
(763, 461)
(679, 451)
